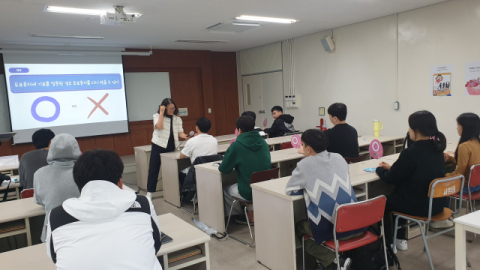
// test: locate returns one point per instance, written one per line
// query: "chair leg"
(468, 262)
(395, 228)
(472, 209)
(229, 216)
(338, 257)
(384, 245)
(303, 251)
(426, 245)
(249, 227)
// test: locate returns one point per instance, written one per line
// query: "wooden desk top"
(8, 168)
(358, 176)
(471, 220)
(366, 140)
(35, 257)
(20, 209)
(176, 155)
(276, 156)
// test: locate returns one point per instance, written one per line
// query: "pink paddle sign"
(232, 140)
(296, 141)
(236, 132)
(265, 123)
(376, 149)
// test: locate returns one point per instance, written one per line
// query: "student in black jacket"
(281, 125)
(343, 138)
(412, 173)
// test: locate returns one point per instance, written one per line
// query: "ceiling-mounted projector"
(117, 17)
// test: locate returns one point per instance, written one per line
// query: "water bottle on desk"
(377, 126)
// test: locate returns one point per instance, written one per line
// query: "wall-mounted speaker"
(327, 43)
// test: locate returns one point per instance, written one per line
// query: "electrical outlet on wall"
(209, 110)
(396, 105)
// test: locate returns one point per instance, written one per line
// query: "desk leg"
(171, 185)
(29, 233)
(207, 256)
(17, 193)
(210, 197)
(460, 247)
(165, 262)
(274, 231)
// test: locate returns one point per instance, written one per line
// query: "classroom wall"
(199, 80)
(362, 70)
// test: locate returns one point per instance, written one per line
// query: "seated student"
(53, 184)
(321, 164)
(343, 137)
(34, 160)
(254, 116)
(467, 154)
(412, 173)
(200, 145)
(248, 154)
(282, 123)
(106, 227)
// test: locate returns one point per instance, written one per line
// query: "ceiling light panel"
(265, 19)
(80, 11)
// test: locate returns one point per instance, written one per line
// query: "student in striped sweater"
(324, 180)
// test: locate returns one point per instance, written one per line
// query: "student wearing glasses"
(168, 128)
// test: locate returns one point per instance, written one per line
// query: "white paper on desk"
(9, 161)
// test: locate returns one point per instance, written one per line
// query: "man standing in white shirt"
(202, 144)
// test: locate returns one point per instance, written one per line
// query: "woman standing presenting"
(167, 130)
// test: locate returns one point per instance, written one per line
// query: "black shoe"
(242, 220)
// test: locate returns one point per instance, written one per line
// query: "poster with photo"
(441, 80)
(472, 79)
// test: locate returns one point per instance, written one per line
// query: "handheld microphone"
(191, 134)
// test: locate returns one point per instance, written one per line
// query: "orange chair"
(257, 177)
(27, 193)
(354, 216)
(439, 188)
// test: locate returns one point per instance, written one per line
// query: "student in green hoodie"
(248, 154)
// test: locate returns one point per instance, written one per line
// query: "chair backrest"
(351, 160)
(264, 175)
(354, 216)
(286, 145)
(446, 186)
(474, 179)
(27, 193)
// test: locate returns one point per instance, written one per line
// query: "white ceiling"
(165, 21)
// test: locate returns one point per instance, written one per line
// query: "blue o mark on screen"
(45, 119)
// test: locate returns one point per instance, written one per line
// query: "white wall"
(4, 115)
(361, 72)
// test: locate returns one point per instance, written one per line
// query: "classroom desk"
(13, 169)
(471, 223)
(142, 160)
(172, 165)
(22, 209)
(277, 213)
(183, 234)
(210, 184)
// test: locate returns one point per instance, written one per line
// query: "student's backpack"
(371, 256)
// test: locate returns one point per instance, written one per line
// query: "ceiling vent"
(232, 27)
(201, 41)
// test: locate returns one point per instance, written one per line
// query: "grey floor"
(230, 254)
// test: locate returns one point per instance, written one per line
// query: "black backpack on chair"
(371, 256)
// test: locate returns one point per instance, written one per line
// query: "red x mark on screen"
(98, 105)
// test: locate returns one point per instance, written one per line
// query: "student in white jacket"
(106, 227)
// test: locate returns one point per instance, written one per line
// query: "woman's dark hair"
(315, 139)
(97, 164)
(470, 123)
(425, 123)
(245, 124)
(167, 102)
(42, 137)
(339, 110)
